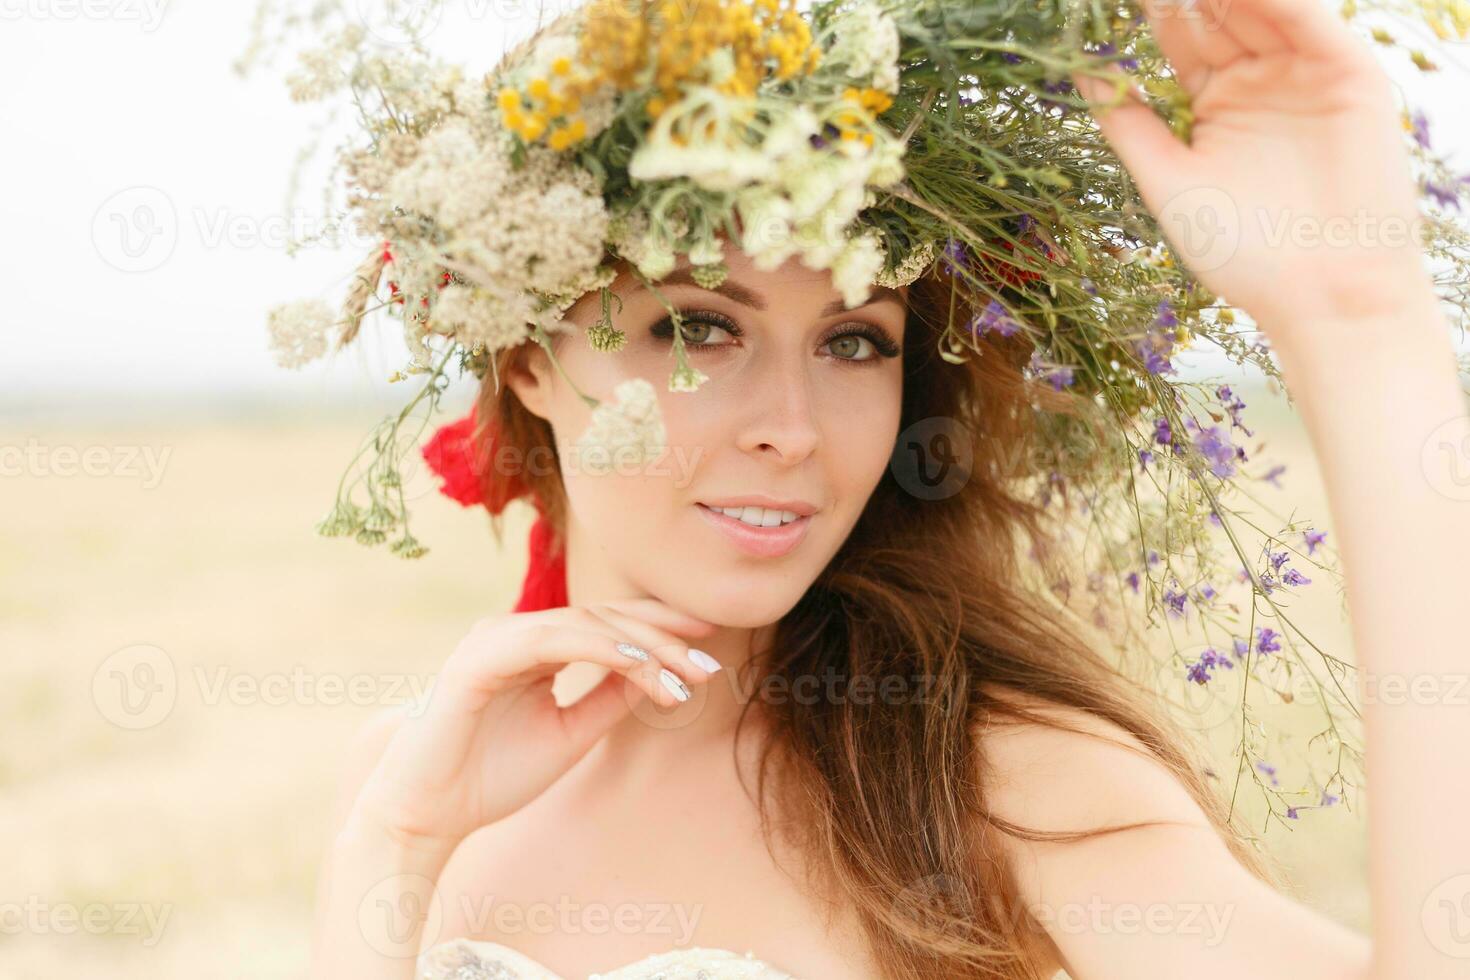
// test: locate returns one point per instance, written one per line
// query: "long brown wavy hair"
(884, 797)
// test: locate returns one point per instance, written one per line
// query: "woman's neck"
(653, 739)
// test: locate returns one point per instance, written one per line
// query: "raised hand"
(1293, 199)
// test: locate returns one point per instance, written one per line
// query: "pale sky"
(121, 112)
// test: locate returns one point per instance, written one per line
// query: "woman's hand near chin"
(489, 739)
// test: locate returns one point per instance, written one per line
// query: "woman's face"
(799, 414)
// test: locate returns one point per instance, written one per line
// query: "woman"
(994, 802)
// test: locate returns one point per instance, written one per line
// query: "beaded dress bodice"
(469, 959)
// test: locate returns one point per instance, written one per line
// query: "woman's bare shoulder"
(1066, 768)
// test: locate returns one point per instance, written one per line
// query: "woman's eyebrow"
(737, 293)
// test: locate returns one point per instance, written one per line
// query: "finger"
(662, 614)
(673, 651)
(1192, 49)
(1306, 26)
(478, 670)
(1156, 159)
(588, 718)
(663, 654)
(1252, 35)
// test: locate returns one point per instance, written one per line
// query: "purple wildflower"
(1266, 640)
(819, 140)
(1144, 458)
(1291, 812)
(1153, 557)
(1270, 771)
(1090, 287)
(1011, 57)
(1052, 92)
(1108, 48)
(1273, 473)
(1278, 558)
(1199, 671)
(1059, 376)
(1294, 577)
(1444, 196)
(1157, 345)
(1165, 317)
(1174, 599)
(1233, 405)
(1162, 433)
(1240, 647)
(1215, 446)
(1132, 581)
(954, 256)
(994, 317)
(1314, 538)
(1421, 128)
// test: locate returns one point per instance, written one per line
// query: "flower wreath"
(879, 140)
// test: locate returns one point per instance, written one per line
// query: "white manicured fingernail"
(676, 687)
(629, 650)
(704, 661)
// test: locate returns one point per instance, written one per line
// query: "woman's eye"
(852, 347)
(698, 332)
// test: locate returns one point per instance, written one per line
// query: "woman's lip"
(764, 542)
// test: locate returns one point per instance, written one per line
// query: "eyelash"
(880, 340)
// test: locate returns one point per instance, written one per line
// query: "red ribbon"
(467, 476)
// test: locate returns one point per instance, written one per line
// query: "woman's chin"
(740, 603)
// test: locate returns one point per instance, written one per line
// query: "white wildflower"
(791, 132)
(650, 247)
(822, 238)
(565, 299)
(856, 267)
(719, 154)
(415, 338)
(298, 331)
(714, 160)
(766, 233)
(707, 251)
(318, 74)
(628, 432)
(913, 265)
(885, 160)
(811, 181)
(454, 179)
(687, 378)
(867, 46)
(478, 316)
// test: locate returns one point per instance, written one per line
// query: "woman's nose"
(782, 418)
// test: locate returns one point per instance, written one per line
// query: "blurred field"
(208, 819)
